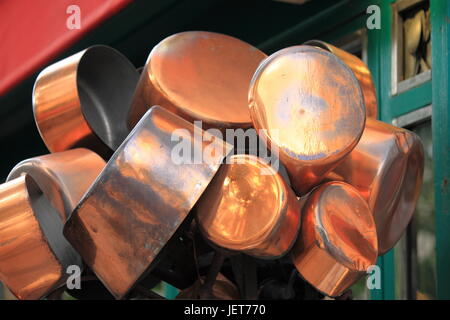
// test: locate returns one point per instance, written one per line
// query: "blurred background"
(412, 85)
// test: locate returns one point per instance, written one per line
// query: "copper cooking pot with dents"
(63, 176)
(338, 241)
(249, 208)
(142, 197)
(34, 254)
(361, 72)
(199, 76)
(308, 106)
(83, 100)
(386, 167)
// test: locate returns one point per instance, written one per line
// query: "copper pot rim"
(263, 131)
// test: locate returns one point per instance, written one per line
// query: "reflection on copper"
(248, 207)
(83, 100)
(361, 72)
(141, 198)
(337, 241)
(387, 169)
(34, 254)
(199, 76)
(312, 109)
(222, 289)
(63, 176)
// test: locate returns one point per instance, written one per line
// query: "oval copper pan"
(308, 106)
(361, 72)
(63, 176)
(83, 100)
(338, 241)
(34, 254)
(141, 198)
(387, 169)
(248, 207)
(199, 76)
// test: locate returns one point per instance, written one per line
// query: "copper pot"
(141, 198)
(249, 208)
(337, 241)
(386, 167)
(361, 72)
(199, 76)
(307, 104)
(83, 100)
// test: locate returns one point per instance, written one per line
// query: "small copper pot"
(199, 76)
(387, 169)
(249, 208)
(142, 197)
(307, 104)
(337, 241)
(361, 72)
(83, 100)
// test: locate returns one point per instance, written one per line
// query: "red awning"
(33, 32)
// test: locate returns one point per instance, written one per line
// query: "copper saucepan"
(199, 76)
(34, 203)
(386, 167)
(249, 208)
(307, 104)
(83, 100)
(337, 241)
(361, 72)
(142, 197)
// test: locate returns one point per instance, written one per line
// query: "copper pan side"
(338, 241)
(63, 176)
(386, 167)
(222, 289)
(311, 108)
(83, 100)
(34, 254)
(141, 198)
(249, 208)
(361, 72)
(199, 76)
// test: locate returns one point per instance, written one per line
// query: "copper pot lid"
(83, 100)
(141, 198)
(34, 254)
(311, 108)
(248, 207)
(387, 169)
(337, 241)
(199, 76)
(361, 72)
(63, 177)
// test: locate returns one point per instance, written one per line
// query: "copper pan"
(249, 208)
(63, 176)
(361, 72)
(222, 289)
(141, 199)
(338, 241)
(387, 168)
(34, 255)
(83, 100)
(199, 76)
(308, 106)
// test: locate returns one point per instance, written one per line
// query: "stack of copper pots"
(145, 181)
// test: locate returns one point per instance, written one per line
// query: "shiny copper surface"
(246, 210)
(83, 100)
(63, 176)
(140, 199)
(311, 106)
(361, 72)
(222, 289)
(387, 168)
(33, 254)
(199, 76)
(338, 241)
